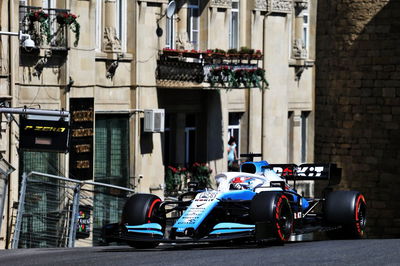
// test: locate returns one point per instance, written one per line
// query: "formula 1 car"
(255, 204)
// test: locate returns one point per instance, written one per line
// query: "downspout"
(12, 158)
(263, 109)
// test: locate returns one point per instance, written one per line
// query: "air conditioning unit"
(154, 120)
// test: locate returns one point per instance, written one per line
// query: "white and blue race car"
(255, 204)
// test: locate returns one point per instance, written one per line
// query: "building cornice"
(221, 3)
(274, 6)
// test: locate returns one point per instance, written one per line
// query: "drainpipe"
(264, 117)
(12, 156)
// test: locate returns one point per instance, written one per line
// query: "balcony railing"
(44, 26)
(219, 69)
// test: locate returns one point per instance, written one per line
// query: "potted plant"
(171, 52)
(233, 53)
(257, 55)
(175, 180)
(245, 52)
(192, 53)
(200, 173)
(43, 19)
(69, 20)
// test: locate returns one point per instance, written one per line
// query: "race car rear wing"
(294, 172)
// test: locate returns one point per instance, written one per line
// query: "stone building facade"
(114, 71)
(358, 102)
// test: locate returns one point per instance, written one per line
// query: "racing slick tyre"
(272, 211)
(348, 210)
(140, 209)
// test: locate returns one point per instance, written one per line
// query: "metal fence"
(55, 211)
(5, 170)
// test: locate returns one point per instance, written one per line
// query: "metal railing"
(42, 25)
(55, 211)
(5, 170)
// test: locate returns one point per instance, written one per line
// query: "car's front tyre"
(272, 211)
(140, 209)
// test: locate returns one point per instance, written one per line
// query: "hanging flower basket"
(69, 20)
(38, 15)
(43, 18)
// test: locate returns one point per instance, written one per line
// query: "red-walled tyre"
(140, 209)
(273, 209)
(347, 209)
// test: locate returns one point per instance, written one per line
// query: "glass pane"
(234, 118)
(112, 149)
(195, 20)
(234, 30)
(235, 5)
(305, 19)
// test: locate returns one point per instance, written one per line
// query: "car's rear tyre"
(346, 209)
(273, 209)
(141, 209)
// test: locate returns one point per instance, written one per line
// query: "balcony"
(48, 27)
(211, 68)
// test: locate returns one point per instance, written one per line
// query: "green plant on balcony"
(216, 76)
(69, 20)
(257, 78)
(242, 76)
(175, 179)
(246, 53)
(200, 173)
(42, 18)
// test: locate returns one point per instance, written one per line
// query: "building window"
(306, 29)
(234, 129)
(169, 39)
(120, 23)
(190, 139)
(47, 195)
(112, 150)
(99, 29)
(234, 26)
(193, 22)
(49, 3)
(304, 138)
(290, 136)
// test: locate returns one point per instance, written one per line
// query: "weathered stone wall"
(358, 102)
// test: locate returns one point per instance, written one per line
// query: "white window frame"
(193, 31)
(170, 33)
(231, 129)
(48, 3)
(98, 27)
(231, 35)
(120, 23)
(305, 35)
(304, 135)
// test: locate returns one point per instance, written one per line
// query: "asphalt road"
(340, 252)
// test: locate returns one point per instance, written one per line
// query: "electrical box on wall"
(154, 120)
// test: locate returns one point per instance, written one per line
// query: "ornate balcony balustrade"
(216, 67)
